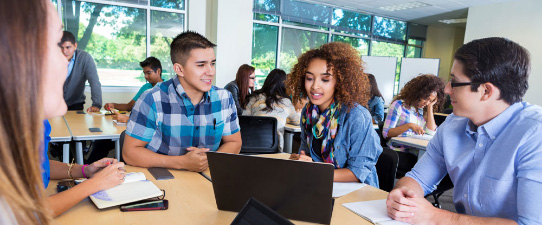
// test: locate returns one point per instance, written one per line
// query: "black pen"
(214, 123)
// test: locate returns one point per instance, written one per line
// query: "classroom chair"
(259, 134)
(386, 168)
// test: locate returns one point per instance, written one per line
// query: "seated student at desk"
(490, 146)
(152, 69)
(376, 102)
(335, 127)
(272, 100)
(36, 64)
(176, 122)
(411, 112)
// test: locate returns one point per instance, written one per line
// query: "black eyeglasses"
(456, 84)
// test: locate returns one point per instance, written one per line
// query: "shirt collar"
(180, 90)
(73, 57)
(495, 126)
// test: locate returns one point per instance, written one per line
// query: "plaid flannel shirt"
(165, 118)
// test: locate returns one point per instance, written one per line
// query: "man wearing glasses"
(490, 146)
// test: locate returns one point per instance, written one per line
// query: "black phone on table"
(160, 173)
(146, 205)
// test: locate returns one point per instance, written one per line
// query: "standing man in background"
(81, 67)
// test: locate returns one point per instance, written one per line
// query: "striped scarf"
(322, 125)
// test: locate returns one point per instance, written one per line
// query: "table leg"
(66, 152)
(288, 140)
(117, 149)
(79, 152)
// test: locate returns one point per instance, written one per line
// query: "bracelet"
(83, 170)
(70, 166)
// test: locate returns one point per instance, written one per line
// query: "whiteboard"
(412, 67)
(383, 68)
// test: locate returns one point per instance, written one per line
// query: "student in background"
(376, 103)
(152, 69)
(205, 114)
(335, 127)
(36, 64)
(490, 146)
(242, 86)
(272, 100)
(81, 68)
(411, 112)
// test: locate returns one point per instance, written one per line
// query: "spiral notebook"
(134, 188)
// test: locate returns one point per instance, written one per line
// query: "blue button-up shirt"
(496, 168)
(70, 65)
(357, 145)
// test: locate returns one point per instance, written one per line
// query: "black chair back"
(121, 143)
(259, 134)
(386, 167)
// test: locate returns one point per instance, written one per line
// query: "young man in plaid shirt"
(173, 124)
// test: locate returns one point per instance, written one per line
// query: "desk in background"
(420, 144)
(61, 133)
(289, 130)
(79, 125)
(191, 201)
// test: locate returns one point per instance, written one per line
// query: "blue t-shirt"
(46, 171)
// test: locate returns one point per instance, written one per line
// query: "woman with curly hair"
(335, 127)
(242, 86)
(411, 112)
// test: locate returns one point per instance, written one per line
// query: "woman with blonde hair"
(33, 73)
(335, 127)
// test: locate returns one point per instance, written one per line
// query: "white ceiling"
(439, 9)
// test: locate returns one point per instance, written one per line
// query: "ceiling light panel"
(403, 6)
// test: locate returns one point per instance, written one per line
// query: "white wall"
(234, 38)
(519, 21)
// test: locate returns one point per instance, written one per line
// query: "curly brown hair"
(352, 85)
(420, 88)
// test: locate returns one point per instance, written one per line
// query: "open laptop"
(296, 190)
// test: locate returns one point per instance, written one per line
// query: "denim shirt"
(376, 107)
(496, 168)
(357, 145)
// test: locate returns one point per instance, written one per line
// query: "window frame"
(148, 11)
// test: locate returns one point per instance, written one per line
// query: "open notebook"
(373, 211)
(426, 137)
(134, 188)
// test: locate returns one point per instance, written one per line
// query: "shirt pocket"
(213, 135)
(498, 197)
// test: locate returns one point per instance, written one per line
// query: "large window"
(115, 33)
(285, 29)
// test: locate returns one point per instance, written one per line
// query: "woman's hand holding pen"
(99, 165)
(109, 176)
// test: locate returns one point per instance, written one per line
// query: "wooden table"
(61, 133)
(420, 144)
(79, 125)
(191, 201)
